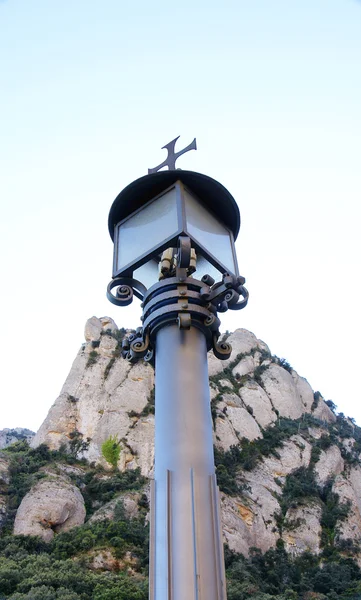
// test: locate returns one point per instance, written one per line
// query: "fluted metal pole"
(186, 549)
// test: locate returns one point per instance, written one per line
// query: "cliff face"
(103, 396)
(284, 460)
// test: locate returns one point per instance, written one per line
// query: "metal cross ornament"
(172, 156)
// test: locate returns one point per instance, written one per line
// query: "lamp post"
(173, 234)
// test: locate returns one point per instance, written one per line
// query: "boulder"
(93, 329)
(53, 505)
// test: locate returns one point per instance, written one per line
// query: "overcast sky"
(90, 91)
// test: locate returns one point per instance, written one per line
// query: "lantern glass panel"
(148, 274)
(204, 267)
(146, 229)
(209, 232)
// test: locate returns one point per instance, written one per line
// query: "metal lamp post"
(173, 234)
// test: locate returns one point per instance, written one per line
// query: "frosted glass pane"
(147, 274)
(206, 268)
(147, 228)
(208, 231)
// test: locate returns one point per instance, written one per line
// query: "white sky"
(90, 91)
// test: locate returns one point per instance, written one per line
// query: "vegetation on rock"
(107, 557)
(92, 358)
(111, 450)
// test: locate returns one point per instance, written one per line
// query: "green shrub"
(77, 444)
(111, 450)
(92, 358)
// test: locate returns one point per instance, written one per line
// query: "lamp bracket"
(179, 300)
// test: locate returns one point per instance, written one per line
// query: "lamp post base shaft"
(186, 548)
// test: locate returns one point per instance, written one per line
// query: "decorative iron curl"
(126, 289)
(221, 350)
(139, 347)
(225, 294)
(181, 300)
(243, 302)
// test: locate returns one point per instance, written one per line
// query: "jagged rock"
(281, 389)
(141, 441)
(95, 401)
(348, 491)
(256, 399)
(4, 469)
(236, 532)
(62, 468)
(11, 436)
(4, 481)
(129, 501)
(355, 481)
(213, 390)
(245, 366)
(234, 422)
(348, 444)
(108, 324)
(105, 395)
(304, 529)
(242, 342)
(304, 390)
(62, 416)
(247, 523)
(104, 560)
(225, 383)
(317, 432)
(262, 491)
(225, 435)
(243, 422)
(295, 453)
(93, 329)
(323, 412)
(3, 511)
(329, 464)
(53, 505)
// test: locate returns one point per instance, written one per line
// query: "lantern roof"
(212, 193)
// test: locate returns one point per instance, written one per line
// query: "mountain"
(10, 436)
(288, 468)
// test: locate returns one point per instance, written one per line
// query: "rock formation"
(4, 481)
(255, 397)
(11, 436)
(288, 468)
(53, 505)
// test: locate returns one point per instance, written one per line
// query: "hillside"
(288, 468)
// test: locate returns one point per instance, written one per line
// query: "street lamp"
(173, 234)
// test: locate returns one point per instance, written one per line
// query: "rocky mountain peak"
(288, 467)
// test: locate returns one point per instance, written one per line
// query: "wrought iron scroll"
(180, 300)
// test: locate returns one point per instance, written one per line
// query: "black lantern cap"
(212, 193)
